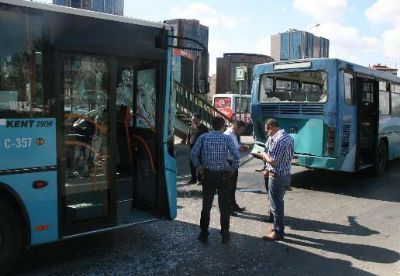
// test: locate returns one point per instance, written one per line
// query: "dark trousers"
(233, 188)
(193, 170)
(216, 181)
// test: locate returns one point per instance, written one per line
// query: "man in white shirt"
(237, 128)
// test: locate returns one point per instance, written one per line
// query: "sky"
(365, 32)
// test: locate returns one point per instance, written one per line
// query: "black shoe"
(191, 181)
(234, 214)
(236, 208)
(225, 238)
(203, 237)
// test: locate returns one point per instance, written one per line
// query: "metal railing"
(189, 103)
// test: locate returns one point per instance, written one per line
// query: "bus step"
(135, 217)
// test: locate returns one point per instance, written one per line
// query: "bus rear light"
(39, 184)
(330, 147)
(42, 227)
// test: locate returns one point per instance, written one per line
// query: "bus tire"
(10, 238)
(381, 159)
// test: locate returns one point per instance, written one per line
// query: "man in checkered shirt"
(277, 157)
(213, 147)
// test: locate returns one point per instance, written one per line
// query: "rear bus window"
(300, 87)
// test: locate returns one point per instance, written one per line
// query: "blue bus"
(86, 124)
(342, 116)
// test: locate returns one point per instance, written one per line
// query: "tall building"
(187, 63)
(106, 6)
(226, 72)
(295, 44)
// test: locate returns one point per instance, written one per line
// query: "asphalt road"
(337, 224)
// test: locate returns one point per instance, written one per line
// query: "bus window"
(286, 90)
(312, 92)
(294, 87)
(146, 98)
(396, 99)
(348, 89)
(384, 95)
(242, 106)
(85, 151)
(266, 89)
(21, 90)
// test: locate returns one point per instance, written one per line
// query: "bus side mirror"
(203, 76)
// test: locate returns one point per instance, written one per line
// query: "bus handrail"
(148, 151)
(188, 102)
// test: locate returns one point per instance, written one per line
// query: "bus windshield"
(310, 87)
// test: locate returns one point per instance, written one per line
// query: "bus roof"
(85, 13)
(347, 64)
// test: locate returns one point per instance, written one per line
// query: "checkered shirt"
(280, 148)
(213, 148)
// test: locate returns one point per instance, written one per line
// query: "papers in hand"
(257, 150)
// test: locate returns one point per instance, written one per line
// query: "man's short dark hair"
(218, 123)
(239, 123)
(272, 122)
(197, 116)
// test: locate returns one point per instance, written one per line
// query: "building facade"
(226, 72)
(107, 6)
(187, 63)
(295, 44)
(384, 68)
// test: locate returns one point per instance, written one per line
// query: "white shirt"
(229, 132)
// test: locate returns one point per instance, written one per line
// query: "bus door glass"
(136, 162)
(367, 119)
(85, 149)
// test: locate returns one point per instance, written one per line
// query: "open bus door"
(367, 112)
(137, 175)
(110, 161)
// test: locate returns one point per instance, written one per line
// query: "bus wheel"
(381, 159)
(10, 238)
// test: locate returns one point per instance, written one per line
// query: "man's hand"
(264, 156)
(268, 159)
(257, 155)
(243, 148)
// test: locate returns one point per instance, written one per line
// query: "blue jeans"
(276, 190)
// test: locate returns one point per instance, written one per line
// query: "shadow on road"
(189, 193)
(171, 247)
(358, 251)
(361, 252)
(300, 224)
(360, 184)
(353, 228)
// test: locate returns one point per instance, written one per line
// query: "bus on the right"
(342, 116)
